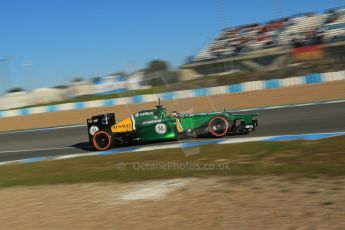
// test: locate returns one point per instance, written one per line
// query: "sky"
(45, 43)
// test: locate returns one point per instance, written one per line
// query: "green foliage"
(121, 73)
(157, 66)
(158, 73)
(96, 79)
(16, 90)
(60, 87)
(78, 79)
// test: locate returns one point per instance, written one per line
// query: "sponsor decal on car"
(143, 114)
(93, 129)
(151, 122)
(161, 128)
(125, 125)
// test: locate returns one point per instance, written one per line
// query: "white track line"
(305, 104)
(43, 129)
(29, 150)
(245, 139)
(69, 156)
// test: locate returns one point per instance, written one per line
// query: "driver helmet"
(175, 114)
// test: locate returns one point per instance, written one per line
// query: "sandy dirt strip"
(289, 95)
(212, 203)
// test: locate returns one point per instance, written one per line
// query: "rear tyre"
(102, 140)
(218, 126)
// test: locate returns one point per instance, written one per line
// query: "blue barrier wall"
(202, 92)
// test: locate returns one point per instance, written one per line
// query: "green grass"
(292, 159)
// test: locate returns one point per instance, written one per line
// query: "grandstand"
(275, 44)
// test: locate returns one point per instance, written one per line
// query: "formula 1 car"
(155, 125)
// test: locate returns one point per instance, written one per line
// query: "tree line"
(157, 72)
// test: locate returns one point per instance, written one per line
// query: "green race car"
(156, 125)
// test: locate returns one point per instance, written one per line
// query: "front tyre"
(218, 126)
(102, 140)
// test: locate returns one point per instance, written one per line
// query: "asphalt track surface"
(281, 121)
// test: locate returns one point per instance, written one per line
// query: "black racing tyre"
(102, 140)
(218, 126)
